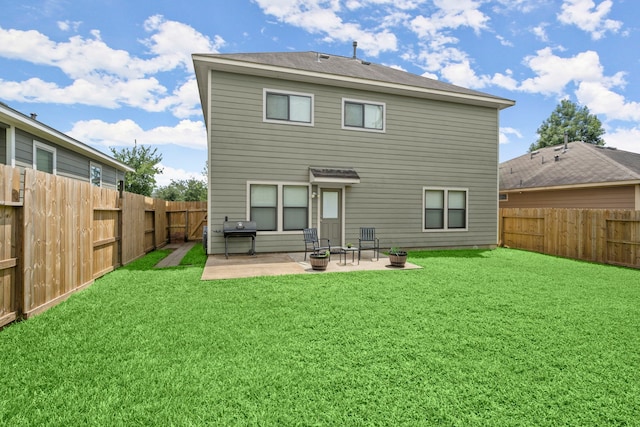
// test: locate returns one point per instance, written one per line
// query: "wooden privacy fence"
(57, 235)
(185, 220)
(599, 235)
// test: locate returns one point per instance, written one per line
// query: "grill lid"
(239, 227)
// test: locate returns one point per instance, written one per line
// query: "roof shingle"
(580, 163)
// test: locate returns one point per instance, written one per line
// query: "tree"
(576, 121)
(189, 190)
(144, 161)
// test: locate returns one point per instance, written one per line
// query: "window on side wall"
(288, 107)
(44, 158)
(279, 207)
(363, 115)
(445, 209)
(95, 174)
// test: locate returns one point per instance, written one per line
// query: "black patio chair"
(312, 243)
(368, 242)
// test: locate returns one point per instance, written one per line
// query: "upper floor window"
(288, 107)
(279, 207)
(363, 115)
(95, 174)
(445, 209)
(44, 157)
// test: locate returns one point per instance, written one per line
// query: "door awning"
(333, 175)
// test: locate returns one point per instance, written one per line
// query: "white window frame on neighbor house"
(279, 207)
(364, 104)
(445, 207)
(266, 92)
(96, 166)
(44, 147)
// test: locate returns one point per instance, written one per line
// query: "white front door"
(331, 215)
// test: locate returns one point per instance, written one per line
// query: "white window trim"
(446, 210)
(503, 197)
(279, 204)
(363, 129)
(41, 146)
(286, 92)
(98, 166)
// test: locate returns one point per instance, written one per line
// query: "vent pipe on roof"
(566, 139)
(33, 116)
(355, 49)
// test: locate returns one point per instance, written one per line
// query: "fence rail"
(62, 234)
(599, 235)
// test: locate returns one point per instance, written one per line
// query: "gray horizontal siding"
(426, 143)
(622, 197)
(68, 163)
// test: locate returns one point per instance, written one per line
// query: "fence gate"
(186, 224)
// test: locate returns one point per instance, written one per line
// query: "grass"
(500, 337)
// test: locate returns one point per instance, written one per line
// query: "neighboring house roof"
(342, 71)
(580, 165)
(37, 128)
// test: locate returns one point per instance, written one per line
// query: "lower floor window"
(279, 207)
(445, 208)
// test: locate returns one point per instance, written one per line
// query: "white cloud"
(588, 17)
(186, 100)
(627, 139)
(600, 99)
(504, 42)
(450, 16)
(540, 32)
(592, 88)
(186, 133)
(554, 72)
(505, 80)
(176, 174)
(505, 132)
(322, 17)
(461, 74)
(172, 43)
(524, 6)
(106, 77)
(398, 4)
(69, 25)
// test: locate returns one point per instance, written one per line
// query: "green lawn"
(487, 338)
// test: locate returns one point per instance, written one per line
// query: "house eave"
(204, 63)
(572, 186)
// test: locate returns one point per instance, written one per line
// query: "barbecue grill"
(239, 229)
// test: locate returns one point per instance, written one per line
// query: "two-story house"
(26, 142)
(304, 139)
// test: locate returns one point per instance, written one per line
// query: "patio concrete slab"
(241, 266)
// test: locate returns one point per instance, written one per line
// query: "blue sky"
(117, 71)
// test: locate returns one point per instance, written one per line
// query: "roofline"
(572, 186)
(42, 130)
(244, 67)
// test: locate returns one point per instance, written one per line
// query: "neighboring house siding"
(425, 144)
(581, 198)
(68, 163)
